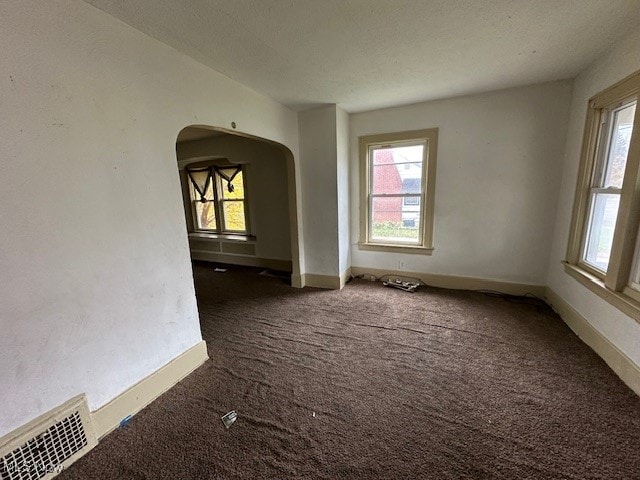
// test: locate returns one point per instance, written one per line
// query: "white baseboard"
(247, 261)
(435, 280)
(297, 280)
(332, 282)
(135, 398)
(344, 278)
(619, 362)
(321, 281)
(456, 282)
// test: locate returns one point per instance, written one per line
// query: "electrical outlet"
(401, 265)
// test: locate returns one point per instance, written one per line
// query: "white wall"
(318, 164)
(324, 159)
(624, 332)
(96, 287)
(342, 147)
(267, 188)
(498, 175)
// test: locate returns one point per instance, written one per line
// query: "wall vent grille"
(55, 444)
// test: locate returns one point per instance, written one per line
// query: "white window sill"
(622, 302)
(396, 248)
(226, 237)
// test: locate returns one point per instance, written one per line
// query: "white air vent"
(42, 448)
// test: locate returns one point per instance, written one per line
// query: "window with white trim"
(604, 244)
(218, 199)
(398, 191)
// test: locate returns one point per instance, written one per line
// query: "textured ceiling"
(365, 54)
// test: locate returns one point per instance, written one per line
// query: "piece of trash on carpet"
(399, 284)
(314, 414)
(125, 421)
(229, 418)
(220, 269)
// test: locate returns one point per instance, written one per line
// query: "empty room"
(320, 239)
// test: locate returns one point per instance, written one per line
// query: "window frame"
(222, 200)
(600, 167)
(218, 201)
(429, 137)
(417, 197)
(612, 285)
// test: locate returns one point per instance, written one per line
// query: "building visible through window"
(398, 182)
(396, 189)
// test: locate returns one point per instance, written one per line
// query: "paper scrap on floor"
(229, 418)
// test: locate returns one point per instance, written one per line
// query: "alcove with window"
(236, 199)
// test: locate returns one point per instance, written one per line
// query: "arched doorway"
(239, 195)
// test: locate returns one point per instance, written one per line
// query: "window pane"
(401, 153)
(201, 179)
(205, 215)
(618, 148)
(392, 222)
(234, 216)
(238, 188)
(602, 221)
(397, 170)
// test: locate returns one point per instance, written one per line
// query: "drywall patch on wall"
(499, 165)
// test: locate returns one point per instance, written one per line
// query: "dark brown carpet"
(438, 384)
